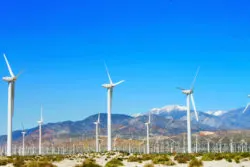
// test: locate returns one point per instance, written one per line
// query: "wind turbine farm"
(77, 57)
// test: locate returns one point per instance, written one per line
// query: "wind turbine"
(109, 88)
(147, 125)
(246, 106)
(97, 133)
(23, 134)
(11, 95)
(40, 122)
(189, 94)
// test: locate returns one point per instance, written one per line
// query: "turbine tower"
(97, 133)
(23, 134)
(40, 131)
(11, 95)
(109, 88)
(189, 94)
(246, 106)
(147, 125)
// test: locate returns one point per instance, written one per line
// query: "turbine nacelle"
(187, 92)
(23, 133)
(40, 122)
(96, 123)
(108, 86)
(9, 79)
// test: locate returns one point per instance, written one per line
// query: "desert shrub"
(183, 158)
(18, 162)
(208, 157)
(45, 164)
(146, 157)
(134, 158)
(4, 162)
(237, 159)
(149, 165)
(114, 163)
(218, 157)
(88, 163)
(228, 159)
(163, 159)
(195, 163)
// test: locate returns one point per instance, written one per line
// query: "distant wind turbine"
(11, 95)
(97, 132)
(147, 125)
(40, 122)
(246, 106)
(189, 94)
(109, 88)
(23, 134)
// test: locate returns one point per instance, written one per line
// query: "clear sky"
(153, 45)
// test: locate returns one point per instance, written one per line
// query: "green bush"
(183, 158)
(149, 165)
(134, 158)
(237, 159)
(39, 164)
(3, 162)
(163, 159)
(88, 163)
(114, 163)
(18, 162)
(208, 157)
(195, 163)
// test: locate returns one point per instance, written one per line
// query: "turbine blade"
(110, 80)
(22, 127)
(246, 108)
(41, 113)
(98, 120)
(19, 74)
(149, 118)
(119, 82)
(180, 88)
(8, 65)
(193, 103)
(197, 72)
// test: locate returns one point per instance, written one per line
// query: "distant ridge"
(168, 120)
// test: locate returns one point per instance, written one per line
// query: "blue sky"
(153, 45)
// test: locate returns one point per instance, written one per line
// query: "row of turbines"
(110, 86)
(157, 144)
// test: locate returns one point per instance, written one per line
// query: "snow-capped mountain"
(168, 109)
(216, 113)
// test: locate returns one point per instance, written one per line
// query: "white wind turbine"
(147, 125)
(246, 106)
(97, 133)
(11, 95)
(23, 134)
(109, 88)
(40, 122)
(189, 94)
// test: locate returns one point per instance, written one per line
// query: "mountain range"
(168, 120)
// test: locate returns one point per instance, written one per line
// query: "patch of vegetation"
(183, 158)
(88, 163)
(39, 164)
(195, 163)
(18, 162)
(114, 163)
(209, 157)
(149, 165)
(163, 159)
(135, 158)
(4, 162)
